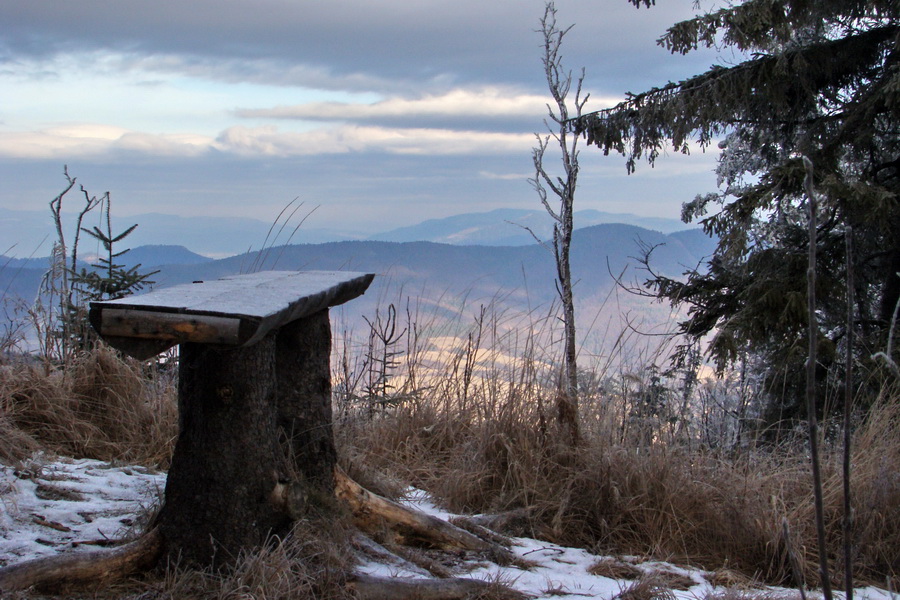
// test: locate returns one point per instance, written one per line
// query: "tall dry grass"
(661, 500)
(100, 406)
(313, 562)
(658, 473)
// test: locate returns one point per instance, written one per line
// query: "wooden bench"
(255, 447)
(235, 311)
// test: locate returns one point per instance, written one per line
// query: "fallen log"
(377, 515)
(98, 566)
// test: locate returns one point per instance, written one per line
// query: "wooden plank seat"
(255, 448)
(237, 311)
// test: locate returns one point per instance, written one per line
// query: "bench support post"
(303, 374)
(223, 473)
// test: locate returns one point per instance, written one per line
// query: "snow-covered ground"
(53, 505)
(47, 506)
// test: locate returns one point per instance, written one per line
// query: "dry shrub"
(100, 406)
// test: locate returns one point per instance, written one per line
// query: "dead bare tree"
(561, 188)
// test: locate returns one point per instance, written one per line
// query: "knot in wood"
(225, 393)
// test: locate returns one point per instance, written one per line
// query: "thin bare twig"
(813, 325)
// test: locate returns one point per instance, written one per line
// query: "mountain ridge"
(220, 237)
(613, 246)
(447, 281)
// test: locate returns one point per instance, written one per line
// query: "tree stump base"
(371, 513)
(255, 442)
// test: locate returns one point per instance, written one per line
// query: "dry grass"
(646, 588)
(15, 444)
(731, 579)
(101, 406)
(313, 562)
(658, 499)
(613, 568)
(748, 594)
(673, 579)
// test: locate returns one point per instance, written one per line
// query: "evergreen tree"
(822, 82)
(107, 279)
(77, 287)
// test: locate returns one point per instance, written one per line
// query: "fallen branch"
(39, 520)
(417, 557)
(374, 514)
(481, 531)
(84, 567)
(513, 522)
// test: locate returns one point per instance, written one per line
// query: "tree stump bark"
(303, 379)
(256, 446)
(218, 493)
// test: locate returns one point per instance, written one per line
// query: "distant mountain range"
(508, 276)
(146, 256)
(512, 227)
(31, 233)
(449, 279)
(596, 251)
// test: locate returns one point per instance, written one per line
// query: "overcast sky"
(380, 112)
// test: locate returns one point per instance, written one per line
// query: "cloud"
(267, 140)
(163, 145)
(114, 143)
(272, 71)
(486, 102)
(505, 176)
(97, 141)
(490, 108)
(355, 43)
